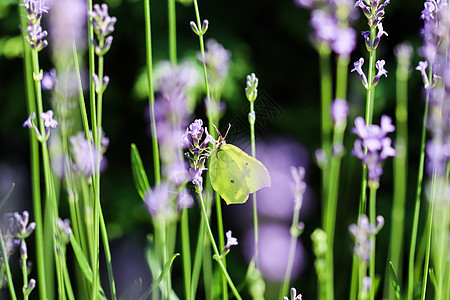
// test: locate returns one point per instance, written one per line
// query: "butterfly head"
(221, 140)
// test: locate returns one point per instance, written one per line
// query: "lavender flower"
(381, 71)
(49, 122)
(358, 68)
(344, 42)
(231, 241)
(299, 186)
(36, 36)
(374, 139)
(35, 9)
(362, 232)
(198, 151)
(85, 155)
(373, 10)
(102, 22)
(294, 295)
(422, 69)
(217, 60)
(49, 80)
(339, 111)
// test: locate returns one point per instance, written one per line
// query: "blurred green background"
(269, 38)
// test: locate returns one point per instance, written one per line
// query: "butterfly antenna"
(229, 126)
(218, 132)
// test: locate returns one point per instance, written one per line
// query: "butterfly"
(233, 173)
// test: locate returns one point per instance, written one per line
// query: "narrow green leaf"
(139, 175)
(155, 269)
(84, 264)
(394, 281)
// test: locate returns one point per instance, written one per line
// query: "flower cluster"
(160, 200)
(373, 10)
(217, 60)
(35, 35)
(362, 232)
(85, 155)
(198, 151)
(374, 139)
(436, 35)
(172, 112)
(329, 20)
(381, 71)
(103, 26)
(49, 122)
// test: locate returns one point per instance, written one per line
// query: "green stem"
(418, 197)
(216, 250)
(428, 232)
(185, 244)
(104, 232)
(221, 242)
(326, 97)
(400, 174)
(8, 270)
(372, 216)
(255, 208)
(198, 258)
(24, 274)
(172, 32)
(151, 93)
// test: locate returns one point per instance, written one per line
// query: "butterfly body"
(234, 174)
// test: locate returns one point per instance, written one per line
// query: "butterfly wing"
(234, 174)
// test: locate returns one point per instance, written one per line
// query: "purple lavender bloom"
(102, 22)
(362, 232)
(67, 24)
(198, 151)
(36, 36)
(344, 42)
(217, 59)
(47, 117)
(380, 33)
(231, 241)
(429, 8)
(374, 139)
(29, 122)
(358, 68)
(184, 199)
(48, 80)
(422, 69)
(85, 155)
(325, 26)
(339, 111)
(158, 201)
(381, 71)
(35, 9)
(305, 3)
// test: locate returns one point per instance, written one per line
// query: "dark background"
(266, 37)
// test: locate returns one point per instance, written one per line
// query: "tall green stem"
(151, 93)
(217, 255)
(12, 292)
(372, 216)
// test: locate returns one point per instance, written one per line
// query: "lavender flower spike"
(102, 22)
(47, 117)
(358, 68)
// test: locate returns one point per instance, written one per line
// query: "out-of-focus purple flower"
(339, 111)
(358, 68)
(438, 154)
(305, 3)
(374, 139)
(325, 26)
(48, 80)
(47, 117)
(102, 22)
(217, 60)
(231, 241)
(273, 249)
(65, 230)
(67, 25)
(158, 201)
(429, 9)
(344, 42)
(362, 232)
(85, 155)
(184, 199)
